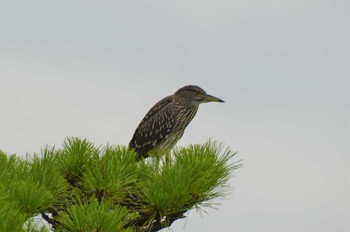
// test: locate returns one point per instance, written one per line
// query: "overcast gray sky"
(93, 68)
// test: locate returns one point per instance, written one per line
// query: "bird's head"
(196, 95)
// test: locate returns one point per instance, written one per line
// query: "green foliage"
(111, 175)
(20, 196)
(94, 215)
(45, 172)
(188, 180)
(11, 168)
(89, 188)
(31, 196)
(74, 156)
(11, 217)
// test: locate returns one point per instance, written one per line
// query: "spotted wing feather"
(154, 127)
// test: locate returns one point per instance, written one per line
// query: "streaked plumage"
(166, 121)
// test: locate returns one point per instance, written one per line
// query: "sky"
(93, 69)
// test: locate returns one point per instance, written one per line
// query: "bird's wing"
(154, 127)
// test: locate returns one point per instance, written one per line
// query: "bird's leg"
(168, 158)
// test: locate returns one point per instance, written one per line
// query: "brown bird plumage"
(166, 121)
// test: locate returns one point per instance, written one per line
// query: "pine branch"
(108, 188)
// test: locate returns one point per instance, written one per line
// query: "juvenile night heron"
(166, 121)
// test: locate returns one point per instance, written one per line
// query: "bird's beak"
(210, 98)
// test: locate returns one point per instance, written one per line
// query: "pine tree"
(82, 187)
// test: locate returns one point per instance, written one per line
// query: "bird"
(165, 123)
